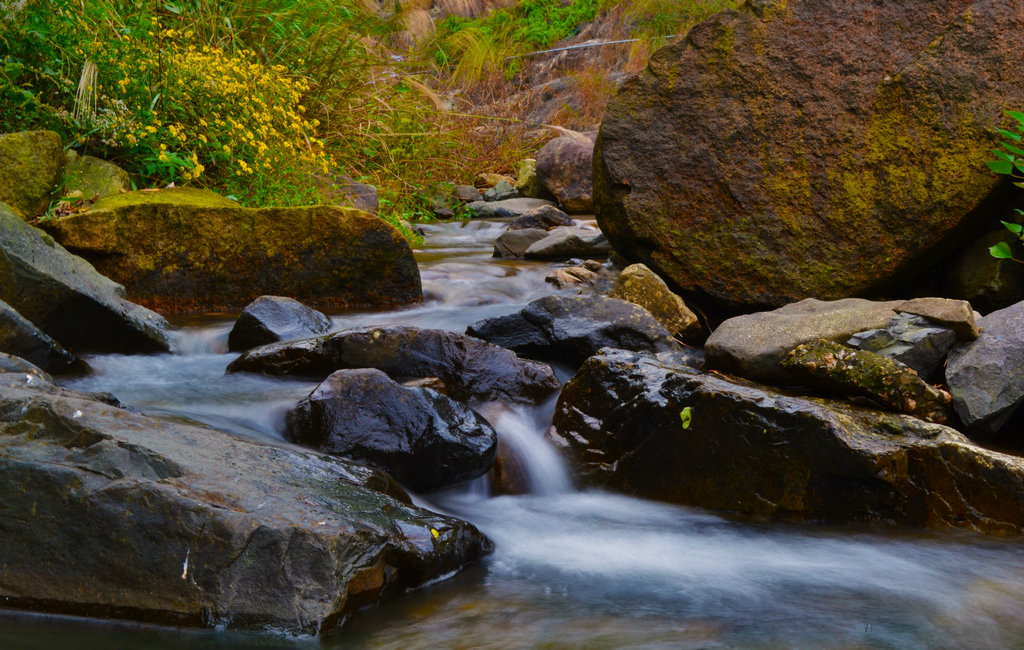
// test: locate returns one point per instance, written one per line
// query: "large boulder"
(752, 346)
(986, 377)
(66, 298)
(802, 148)
(424, 439)
(21, 338)
(120, 515)
(572, 328)
(270, 319)
(31, 164)
(639, 285)
(565, 169)
(471, 369)
(185, 250)
(648, 425)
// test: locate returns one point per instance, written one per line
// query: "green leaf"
(1017, 115)
(686, 415)
(1001, 166)
(1015, 228)
(1002, 155)
(1009, 134)
(1014, 150)
(1001, 251)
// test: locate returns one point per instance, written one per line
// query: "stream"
(572, 567)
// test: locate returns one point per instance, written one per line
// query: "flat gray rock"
(507, 209)
(752, 346)
(563, 243)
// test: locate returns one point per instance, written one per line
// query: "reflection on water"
(577, 569)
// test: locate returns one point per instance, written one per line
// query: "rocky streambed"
(570, 565)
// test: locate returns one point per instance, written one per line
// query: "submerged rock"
(986, 377)
(803, 148)
(424, 439)
(572, 328)
(143, 519)
(184, 250)
(650, 426)
(752, 346)
(66, 298)
(471, 369)
(31, 165)
(845, 371)
(269, 319)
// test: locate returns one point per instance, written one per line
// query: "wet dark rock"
(513, 243)
(650, 426)
(66, 298)
(565, 168)
(833, 367)
(752, 346)
(572, 328)
(425, 440)
(269, 319)
(136, 518)
(912, 340)
(563, 243)
(986, 377)
(545, 217)
(507, 209)
(470, 368)
(15, 371)
(20, 337)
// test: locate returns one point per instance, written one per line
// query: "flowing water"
(576, 568)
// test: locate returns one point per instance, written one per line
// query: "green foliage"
(1010, 162)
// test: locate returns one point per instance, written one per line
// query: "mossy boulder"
(185, 250)
(650, 426)
(86, 177)
(809, 149)
(838, 369)
(31, 165)
(641, 286)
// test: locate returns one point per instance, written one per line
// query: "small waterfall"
(207, 340)
(522, 430)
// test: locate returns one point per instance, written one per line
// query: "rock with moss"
(989, 284)
(527, 182)
(88, 178)
(650, 426)
(638, 284)
(837, 369)
(752, 346)
(66, 298)
(915, 341)
(184, 250)
(796, 149)
(117, 515)
(31, 165)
